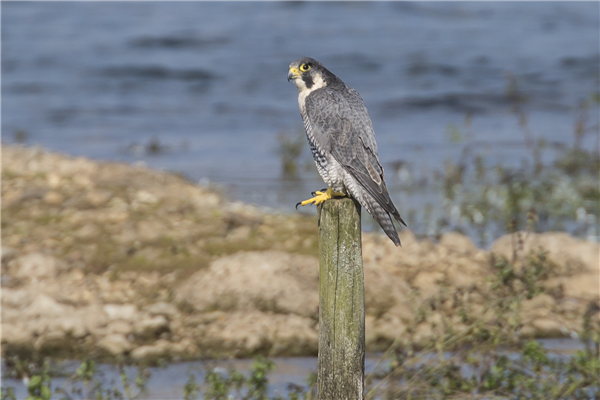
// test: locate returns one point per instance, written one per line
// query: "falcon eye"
(304, 67)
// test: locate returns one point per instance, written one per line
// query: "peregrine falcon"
(342, 141)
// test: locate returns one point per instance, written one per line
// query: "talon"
(297, 204)
(321, 196)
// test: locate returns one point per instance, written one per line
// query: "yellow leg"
(322, 196)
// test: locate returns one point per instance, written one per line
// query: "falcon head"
(308, 73)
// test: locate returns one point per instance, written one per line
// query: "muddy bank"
(112, 260)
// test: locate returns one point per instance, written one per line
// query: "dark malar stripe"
(308, 81)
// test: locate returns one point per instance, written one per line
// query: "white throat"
(303, 91)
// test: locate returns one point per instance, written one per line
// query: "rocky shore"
(112, 260)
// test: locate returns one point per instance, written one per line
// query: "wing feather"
(341, 123)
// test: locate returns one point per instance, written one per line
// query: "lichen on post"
(341, 301)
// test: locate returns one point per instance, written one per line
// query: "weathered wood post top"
(341, 301)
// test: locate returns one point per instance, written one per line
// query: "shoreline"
(121, 262)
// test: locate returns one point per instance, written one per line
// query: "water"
(206, 82)
(168, 382)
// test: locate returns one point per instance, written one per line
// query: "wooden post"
(341, 302)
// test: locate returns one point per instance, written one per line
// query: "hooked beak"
(293, 73)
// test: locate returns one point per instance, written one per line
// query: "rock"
(47, 307)
(585, 286)
(53, 198)
(239, 234)
(143, 196)
(16, 298)
(8, 253)
(546, 328)
(97, 198)
(151, 327)
(148, 280)
(54, 180)
(73, 325)
(385, 293)
(120, 327)
(115, 344)
(527, 331)
(51, 342)
(126, 312)
(150, 230)
(88, 231)
(423, 334)
(162, 308)
(428, 283)
(93, 317)
(568, 253)
(267, 281)
(572, 308)
(163, 348)
(536, 307)
(183, 348)
(461, 279)
(15, 335)
(457, 242)
(380, 333)
(159, 349)
(245, 303)
(245, 333)
(35, 266)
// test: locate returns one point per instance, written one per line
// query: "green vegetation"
(488, 358)
(290, 148)
(560, 184)
(484, 358)
(489, 200)
(120, 226)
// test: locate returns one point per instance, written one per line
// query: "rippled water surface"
(204, 83)
(168, 382)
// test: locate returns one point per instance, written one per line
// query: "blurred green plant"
(290, 147)
(88, 382)
(8, 393)
(488, 358)
(486, 200)
(191, 389)
(39, 386)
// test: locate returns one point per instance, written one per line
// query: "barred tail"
(383, 218)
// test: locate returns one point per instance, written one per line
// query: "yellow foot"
(321, 197)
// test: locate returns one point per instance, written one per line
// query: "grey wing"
(341, 123)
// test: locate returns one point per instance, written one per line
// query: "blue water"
(206, 82)
(167, 383)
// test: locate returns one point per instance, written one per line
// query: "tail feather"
(383, 218)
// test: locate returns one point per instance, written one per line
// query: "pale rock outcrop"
(161, 308)
(126, 312)
(143, 264)
(428, 283)
(245, 333)
(584, 286)
(16, 298)
(35, 266)
(568, 253)
(51, 342)
(115, 344)
(150, 326)
(537, 307)
(119, 326)
(268, 281)
(45, 306)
